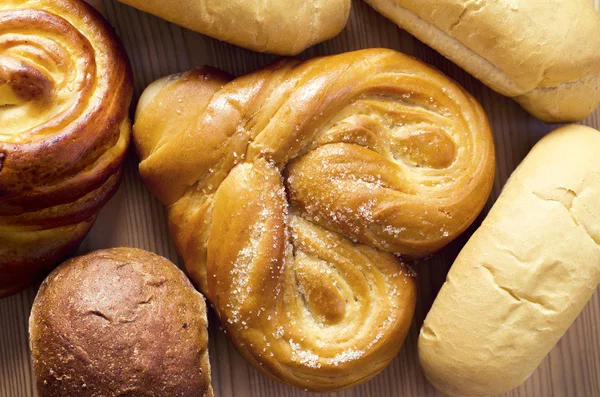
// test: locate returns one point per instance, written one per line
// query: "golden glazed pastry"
(279, 27)
(65, 90)
(290, 188)
(545, 54)
(119, 322)
(524, 276)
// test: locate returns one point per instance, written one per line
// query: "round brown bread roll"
(119, 322)
(65, 90)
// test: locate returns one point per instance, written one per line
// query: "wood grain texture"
(134, 218)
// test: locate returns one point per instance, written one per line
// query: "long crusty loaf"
(543, 53)
(524, 276)
(279, 27)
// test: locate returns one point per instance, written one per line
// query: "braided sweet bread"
(65, 90)
(290, 189)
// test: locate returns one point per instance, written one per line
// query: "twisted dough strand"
(65, 89)
(290, 188)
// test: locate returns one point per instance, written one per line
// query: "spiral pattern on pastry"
(65, 90)
(291, 189)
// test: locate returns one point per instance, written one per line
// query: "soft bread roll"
(290, 188)
(543, 53)
(524, 276)
(65, 90)
(119, 322)
(275, 26)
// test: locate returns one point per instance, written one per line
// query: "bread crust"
(524, 276)
(119, 322)
(544, 54)
(273, 26)
(65, 130)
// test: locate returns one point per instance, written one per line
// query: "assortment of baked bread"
(299, 195)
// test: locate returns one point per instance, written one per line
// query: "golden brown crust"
(289, 189)
(65, 90)
(119, 322)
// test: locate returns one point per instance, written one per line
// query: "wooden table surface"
(135, 219)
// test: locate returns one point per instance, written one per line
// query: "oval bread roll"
(119, 322)
(545, 54)
(524, 276)
(275, 26)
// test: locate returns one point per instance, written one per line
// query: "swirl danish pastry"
(65, 90)
(291, 189)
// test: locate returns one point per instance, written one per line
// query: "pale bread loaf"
(544, 54)
(279, 27)
(524, 276)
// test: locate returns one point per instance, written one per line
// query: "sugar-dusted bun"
(65, 90)
(524, 276)
(290, 189)
(119, 322)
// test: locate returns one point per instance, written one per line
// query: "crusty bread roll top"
(119, 322)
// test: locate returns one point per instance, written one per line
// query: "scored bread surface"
(275, 26)
(543, 53)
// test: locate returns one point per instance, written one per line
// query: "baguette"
(544, 54)
(524, 276)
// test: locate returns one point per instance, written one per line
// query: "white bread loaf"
(275, 26)
(524, 276)
(543, 53)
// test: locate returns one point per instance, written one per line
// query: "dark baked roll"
(119, 322)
